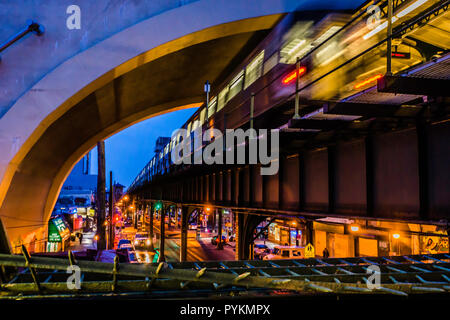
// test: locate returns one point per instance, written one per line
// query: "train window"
(236, 85)
(324, 36)
(254, 69)
(195, 125)
(202, 116)
(270, 63)
(212, 107)
(222, 99)
(293, 49)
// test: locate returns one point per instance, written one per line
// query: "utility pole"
(162, 228)
(111, 211)
(219, 232)
(101, 195)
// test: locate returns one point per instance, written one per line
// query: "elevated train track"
(350, 98)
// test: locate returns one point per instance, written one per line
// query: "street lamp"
(396, 236)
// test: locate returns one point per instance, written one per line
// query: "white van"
(286, 252)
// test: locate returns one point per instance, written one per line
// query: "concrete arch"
(29, 180)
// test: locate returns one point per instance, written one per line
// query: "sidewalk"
(86, 243)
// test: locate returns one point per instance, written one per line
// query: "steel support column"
(282, 160)
(370, 175)
(219, 229)
(301, 182)
(309, 232)
(422, 151)
(245, 227)
(331, 178)
(184, 233)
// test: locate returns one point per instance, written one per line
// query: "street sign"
(309, 251)
(207, 86)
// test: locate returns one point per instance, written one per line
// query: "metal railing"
(32, 26)
(40, 277)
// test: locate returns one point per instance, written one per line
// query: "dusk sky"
(128, 151)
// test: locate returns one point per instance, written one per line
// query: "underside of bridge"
(394, 172)
(172, 81)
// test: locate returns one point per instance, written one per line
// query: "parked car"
(261, 250)
(285, 252)
(193, 226)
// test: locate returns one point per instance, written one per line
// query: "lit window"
(296, 48)
(202, 116)
(222, 100)
(195, 125)
(271, 62)
(254, 69)
(212, 107)
(236, 85)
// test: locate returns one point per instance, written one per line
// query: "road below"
(197, 250)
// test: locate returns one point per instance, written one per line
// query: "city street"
(197, 250)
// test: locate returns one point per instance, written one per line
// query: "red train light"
(288, 79)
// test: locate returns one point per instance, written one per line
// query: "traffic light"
(158, 206)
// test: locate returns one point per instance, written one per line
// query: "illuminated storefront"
(349, 238)
(286, 233)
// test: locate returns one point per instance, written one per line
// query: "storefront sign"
(57, 230)
(53, 234)
(435, 245)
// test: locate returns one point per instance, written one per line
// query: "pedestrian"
(325, 253)
(81, 237)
